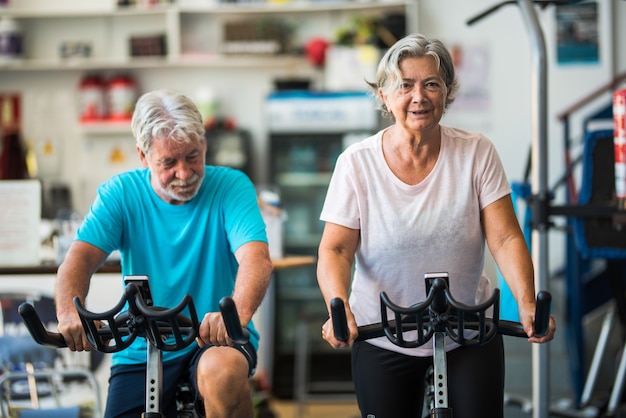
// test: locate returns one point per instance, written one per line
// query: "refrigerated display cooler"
(307, 132)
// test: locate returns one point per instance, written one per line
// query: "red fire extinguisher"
(619, 140)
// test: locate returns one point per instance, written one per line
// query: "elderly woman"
(414, 198)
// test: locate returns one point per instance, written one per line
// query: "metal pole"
(154, 383)
(540, 194)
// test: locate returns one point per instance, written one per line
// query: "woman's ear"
(383, 98)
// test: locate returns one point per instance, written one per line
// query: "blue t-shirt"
(183, 249)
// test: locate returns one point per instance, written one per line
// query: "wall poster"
(577, 33)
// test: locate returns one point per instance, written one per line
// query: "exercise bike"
(436, 318)
(164, 329)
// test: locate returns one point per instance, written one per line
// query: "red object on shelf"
(92, 99)
(315, 50)
(121, 95)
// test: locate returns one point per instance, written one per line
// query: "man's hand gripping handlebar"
(141, 319)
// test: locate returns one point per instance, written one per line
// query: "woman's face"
(418, 104)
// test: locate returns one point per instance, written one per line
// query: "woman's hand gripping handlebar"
(341, 332)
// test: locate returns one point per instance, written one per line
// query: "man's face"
(176, 169)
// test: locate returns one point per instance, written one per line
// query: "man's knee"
(222, 368)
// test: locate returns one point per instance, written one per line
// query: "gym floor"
(286, 409)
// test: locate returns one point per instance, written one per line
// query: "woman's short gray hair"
(389, 77)
(166, 114)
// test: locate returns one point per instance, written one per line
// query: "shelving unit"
(193, 33)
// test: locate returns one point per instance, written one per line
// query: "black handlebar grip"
(542, 313)
(36, 328)
(235, 331)
(340, 322)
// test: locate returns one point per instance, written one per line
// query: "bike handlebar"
(487, 12)
(42, 336)
(504, 327)
(36, 328)
(542, 313)
(236, 332)
(496, 7)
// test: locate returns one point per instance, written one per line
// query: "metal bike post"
(154, 377)
(440, 378)
(540, 195)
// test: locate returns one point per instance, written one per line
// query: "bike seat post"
(437, 284)
(154, 378)
(440, 377)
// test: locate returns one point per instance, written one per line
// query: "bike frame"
(140, 319)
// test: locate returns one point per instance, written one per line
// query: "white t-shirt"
(409, 230)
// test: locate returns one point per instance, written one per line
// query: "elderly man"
(192, 229)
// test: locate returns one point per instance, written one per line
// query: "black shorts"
(127, 384)
(392, 385)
